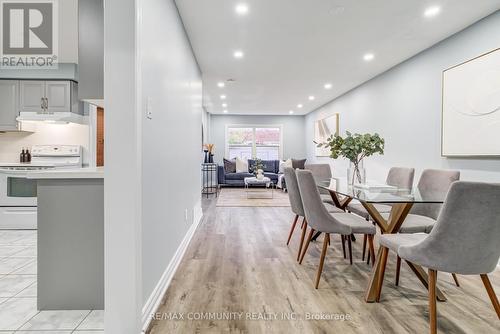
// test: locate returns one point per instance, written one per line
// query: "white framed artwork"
(471, 108)
(323, 129)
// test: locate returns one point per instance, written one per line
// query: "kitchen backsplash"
(42, 133)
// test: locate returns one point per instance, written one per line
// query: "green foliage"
(258, 165)
(354, 147)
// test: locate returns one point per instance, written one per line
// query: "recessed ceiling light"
(432, 11)
(328, 86)
(290, 112)
(238, 54)
(223, 97)
(241, 9)
(225, 111)
(221, 84)
(369, 57)
(224, 105)
(311, 98)
(299, 105)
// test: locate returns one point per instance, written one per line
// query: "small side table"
(265, 183)
(209, 179)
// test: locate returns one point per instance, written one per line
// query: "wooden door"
(100, 137)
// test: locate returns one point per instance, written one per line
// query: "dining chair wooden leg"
(398, 269)
(343, 245)
(292, 229)
(309, 237)
(383, 263)
(432, 301)
(302, 236)
(455, 278)
(491, 293)
(364, 248)
(349, 244)
(322, 259)
(371, 250)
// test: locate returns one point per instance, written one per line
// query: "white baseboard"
(156, 296)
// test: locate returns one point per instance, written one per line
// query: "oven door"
(16, 189)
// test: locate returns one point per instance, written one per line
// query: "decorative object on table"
(354, 147)
(210, 148)
(299, 163)
(258, 168)
(209, 179)
(324, 129)
(471, 107)
(206, 156)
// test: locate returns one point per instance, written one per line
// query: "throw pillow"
(284, 164)
(241, 165)
(300, 164)
(230, 165)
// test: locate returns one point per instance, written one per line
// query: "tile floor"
(18, 313)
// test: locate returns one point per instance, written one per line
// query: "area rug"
(238, 197)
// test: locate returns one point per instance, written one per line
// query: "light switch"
(149, 108)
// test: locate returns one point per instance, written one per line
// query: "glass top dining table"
(400, 200)
(379, 193)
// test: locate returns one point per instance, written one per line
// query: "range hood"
(56, 117)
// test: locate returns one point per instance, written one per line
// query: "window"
(246, 142)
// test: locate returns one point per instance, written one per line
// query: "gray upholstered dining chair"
(322, 171)
(319, 219)
(464, 240)
(432, 183)
(296, 205)
(400, 177)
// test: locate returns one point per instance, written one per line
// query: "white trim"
(159, 291)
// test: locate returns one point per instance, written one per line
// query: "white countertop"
(78, 173)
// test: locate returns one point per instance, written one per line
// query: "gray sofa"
(271, 170)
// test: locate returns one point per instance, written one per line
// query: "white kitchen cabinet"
(32, 96)
(58, 95)
(9, 108)
(46, 96)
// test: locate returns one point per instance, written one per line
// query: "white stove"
(18, 194)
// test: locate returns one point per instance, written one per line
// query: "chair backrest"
(317, 215)
(401, 177)
(465, 238)
(434, 183)
(293, 191)
(320, 171)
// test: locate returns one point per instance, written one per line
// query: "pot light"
(328, 86)
(220, 84)
(223, 97)
(432, 11)
(224, 105)
(241, 9)
(225, 111)
(311, 98)
(369, 57)
(290, 112)
(238, 54)
(299, 105)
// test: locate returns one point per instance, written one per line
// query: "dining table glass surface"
(379, 193)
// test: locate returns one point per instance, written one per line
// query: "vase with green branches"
(354, 147)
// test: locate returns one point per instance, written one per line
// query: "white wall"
(404, 106)
(68, 31)
(40, 133)
(294, 145)
(171, 146)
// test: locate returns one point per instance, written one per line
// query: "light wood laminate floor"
(238, 261)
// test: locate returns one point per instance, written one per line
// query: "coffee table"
(253, 183)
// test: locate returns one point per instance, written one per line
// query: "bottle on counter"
(22, 156)
(28, 156)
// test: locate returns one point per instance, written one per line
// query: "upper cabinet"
(46, 96)
(9, 108)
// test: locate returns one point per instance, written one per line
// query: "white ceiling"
(293, 47)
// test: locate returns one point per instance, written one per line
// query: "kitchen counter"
(79, 173)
